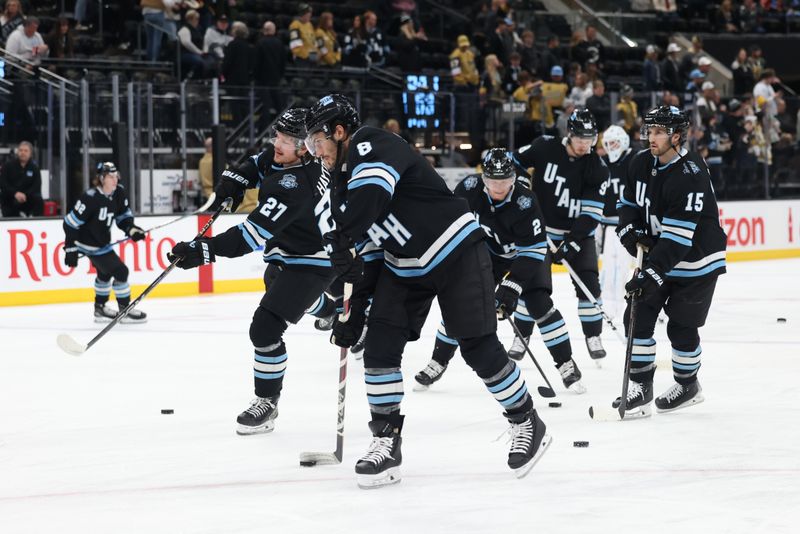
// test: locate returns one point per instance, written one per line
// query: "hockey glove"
(192, 254)
(506, 297)
(568, 250)
(71, 259)
(136, 233)
(346, 334)
(632, 235)
(644, 284)
(347, 265)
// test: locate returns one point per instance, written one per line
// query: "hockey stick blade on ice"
(547, 391)
(68, 344)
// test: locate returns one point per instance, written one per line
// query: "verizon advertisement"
(32, 269)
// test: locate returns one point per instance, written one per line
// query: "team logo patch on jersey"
(289, 181)
(470, 182)
(524, 202)
(693, 166)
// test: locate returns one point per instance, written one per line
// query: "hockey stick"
(199, 210)
(548, 391)
(602, 413)
(586, 292)
(69, 345)
(310, 459)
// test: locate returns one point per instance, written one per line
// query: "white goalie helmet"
(616, 141)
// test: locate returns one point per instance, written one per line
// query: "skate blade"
(697, 399)
(128, 320)
(102, 319)
(358, 356)
(578, 388)
(640, 412)
(420, 387)
(266, 428)
(521, 472)
(387, 478)
(517, 356)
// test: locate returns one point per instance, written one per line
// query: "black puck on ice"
(310, 463)
(167, 411)
(554, 404)
(781, 319)
(582, 444)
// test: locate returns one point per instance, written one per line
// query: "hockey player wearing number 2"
(293, 191)
(668, 206)
(389, 195)
(88, 231)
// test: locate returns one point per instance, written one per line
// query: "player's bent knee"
(384, 344)
(485, 354)
(680, 336)
(266, 328)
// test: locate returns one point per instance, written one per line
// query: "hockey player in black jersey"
(292, 209)
(88, 231)
(515, 235)
(616, 262)
(567, 180)
(668, 205)
(388, 195)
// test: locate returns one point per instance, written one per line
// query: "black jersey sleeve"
(249, 173)
(627, 210)
(530, 239)
(524, 157)
(123, 215)
(595, 175)
(83, 211)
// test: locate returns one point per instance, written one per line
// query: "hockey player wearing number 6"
(388, 195)
(567, 179)
(515, 236)
(88, 231)
(668, 205)
(293, 192)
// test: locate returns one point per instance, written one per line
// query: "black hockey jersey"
(292, 213)
(617, 172)
(567, 188)
(676, 205)
(395, 199)
(513, 226)
(88, 225)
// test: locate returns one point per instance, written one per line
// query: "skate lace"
(674, 392)
(519, 344)
(379, 450)
(521, 436)
(594, 343)
(433, 369)
(259, 406)
(566, 369)
(634, 390)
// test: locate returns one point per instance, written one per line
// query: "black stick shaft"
(623, 400)
(528, 350)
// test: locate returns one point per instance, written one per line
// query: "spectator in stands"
(555, 91)
(577, 52)
(693, 88)
(193, 61)
(537, 112)
(689, 61)
(354, 53)
(704, 64)
(726, 19)
(330, 54)
(600, 105)
(465, 80)
(511, 73)
(377, 49)
(742, 76)
(670, 99)
(550, 56)
(707, 102)
(216, 38)
(561, 122)
(59, 40)
(756, 62)
(407, 49)
(572, 75)
(765, 95)
(27, 43)
(81, 16)
(269, 69)
(10, 20)
(237, 65)
(491, 84)
(529, 52)
(750, 14)
(670, 69)
(157, 24)
(205, 168)
(591, 47)
(750, 148)
(628, 109)
(303, 39)
(593, 72)
(651, 72)
(393, 125)
(21, 185)
(501, 42)
(786, 121)
(581, 90)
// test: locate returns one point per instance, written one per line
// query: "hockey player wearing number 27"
(293, 191)
(387, 194)
(668, 206)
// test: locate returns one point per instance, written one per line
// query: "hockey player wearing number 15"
(292, 190)
(669, 206)
(386, 193)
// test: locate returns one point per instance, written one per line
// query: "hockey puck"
(781, 319)
(167, 411)
(581, 444)
(311, 463)
(554, 404)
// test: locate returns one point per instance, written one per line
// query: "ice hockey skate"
(517, 350)
(596, 350)
(571, 376)
(358, 348)
(679, 396)
(640, 398)
(259, 418)
(432, 373)
(103, 313)
(134, 316)
(380, 466)
(529, 441)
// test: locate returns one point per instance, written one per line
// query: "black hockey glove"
(346, 334)
(632, 235)
(347, 265)
(192, 254)
(568, 250)
(71, 259)
(506, 297)
(136, 233)
(228, 188)
(644, 284)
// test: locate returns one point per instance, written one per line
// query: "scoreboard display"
(421, 105)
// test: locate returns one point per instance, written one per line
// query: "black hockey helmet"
(581, 124)
(671, 118)
(497, 165)
(105, 167)
(292, 122)
(328, 112)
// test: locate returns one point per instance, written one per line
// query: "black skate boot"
(325, 323)
(529, 441)
(640, 397)
(571, 376)
(380, 466)
(134, 316)
(259, 418)
(103, 313)
(679, 396)
(358, 348)
(596, 350)
(432, 373)
(517, 350)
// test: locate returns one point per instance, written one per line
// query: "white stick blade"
(208, 203)
(68, 344)
(602, 413)
(310, 459)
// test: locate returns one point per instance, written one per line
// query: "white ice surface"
(84, 447)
